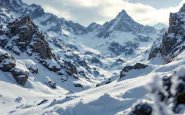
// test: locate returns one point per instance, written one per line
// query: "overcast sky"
(147, 12)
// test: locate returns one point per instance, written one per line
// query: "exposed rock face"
(124, 23)
(154, 52)
(93, 26)
(29, 37)
(36, 12)
(141, 109)
(8, 64)
(168, 93)
(129, 68)
(71, 69)
(157, 44)
(20, 75)
(175, 36)
(73, 27)
(127, 48)
(33, 69)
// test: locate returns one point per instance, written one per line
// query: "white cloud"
(59, 13)
(87, 11)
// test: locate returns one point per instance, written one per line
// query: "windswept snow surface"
(114, 98)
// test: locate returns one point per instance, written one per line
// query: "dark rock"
(127, 48)
(74, 28)
(42, 102)
(142, 109)
(116, 48)
(3, 40)
(52, 84)
(38, 12)
(143, 38)
(20, 76)
(71, 68)
(34, 70)
(129, 68)
(154, 52)
(93, 26)
(123, 23)
(1, 32)
(7, 61)
(28, 33)
(54, 68)
(95, 60)
(174, 37)
(165, 95)
(78, 85)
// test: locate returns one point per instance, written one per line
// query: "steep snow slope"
(121, 36)
(114, 98)
(97, 52)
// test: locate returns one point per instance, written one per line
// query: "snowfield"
(94, 70)
(114, 98)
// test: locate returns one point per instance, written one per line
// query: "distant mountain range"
(53, 66)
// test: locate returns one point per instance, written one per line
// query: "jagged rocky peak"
(175, 35)
(38, 12)
(11, 4)
(172, 41)
(124, 23)
(177, 21)
(123, 14)
(72, 27)
(29, 37)
(93, 26)
(182, 8)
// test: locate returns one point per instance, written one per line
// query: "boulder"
(33, 69)
(7, 62)
(141, 109)
(129, 68)
(20, 75)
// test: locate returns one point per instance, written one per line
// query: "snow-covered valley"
(51, 66)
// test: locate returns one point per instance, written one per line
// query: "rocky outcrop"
(33, 69)
(173, 40)
(127, 48)
(126, 69)
(93, 26)
(167, 95)
(141, 109)
(74, 28)
(71, 68)
(172, 92)
(8, 64)
(29, 37)
(52, 66)
(20, 75)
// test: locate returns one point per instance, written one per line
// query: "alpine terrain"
(53, 66)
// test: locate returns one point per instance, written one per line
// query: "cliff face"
(29, 37)
(173, 39)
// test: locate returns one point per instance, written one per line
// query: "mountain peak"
(182, 8)
(123, 13)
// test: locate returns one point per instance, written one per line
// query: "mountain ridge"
(54, 66)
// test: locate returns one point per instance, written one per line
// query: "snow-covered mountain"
(121, 36)
(52, 66)
(160, 26)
